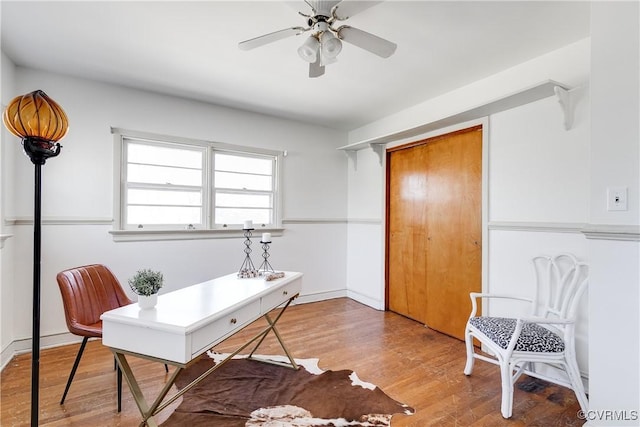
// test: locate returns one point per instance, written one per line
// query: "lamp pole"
(35, 350)
(40, 122)
(38, 151)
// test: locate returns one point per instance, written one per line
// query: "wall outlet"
(617, 198)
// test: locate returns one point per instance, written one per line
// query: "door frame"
(484, 122)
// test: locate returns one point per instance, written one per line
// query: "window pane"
(231, 163)
(164, 175)
(157, 215)
(243, 200)
(239, 216)
(163, 197)
(173, 184)
(242, 182)
(164, 156)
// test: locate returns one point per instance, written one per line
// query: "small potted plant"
(146, 283)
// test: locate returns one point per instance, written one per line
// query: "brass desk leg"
(146, 411)
(272, 327)
(284, 347)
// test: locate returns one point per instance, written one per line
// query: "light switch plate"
(617, 198)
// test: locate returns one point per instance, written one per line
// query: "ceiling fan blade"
(322, 7)
(315, 69)
(347, 9)
(271, 37)
(367, 41)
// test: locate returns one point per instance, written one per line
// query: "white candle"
(266, 238)
(248, 224)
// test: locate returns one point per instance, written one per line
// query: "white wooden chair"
(547, 335)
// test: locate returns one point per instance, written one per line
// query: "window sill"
(158, 235)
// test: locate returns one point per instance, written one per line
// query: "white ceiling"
(190, 49)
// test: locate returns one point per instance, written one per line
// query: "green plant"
(146, 282)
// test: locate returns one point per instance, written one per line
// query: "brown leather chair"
(87, 292)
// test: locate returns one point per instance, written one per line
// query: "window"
(164, 184)
(243, 188)
(176, 184)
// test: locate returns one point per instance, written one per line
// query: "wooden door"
(407, 232)
(434, 256)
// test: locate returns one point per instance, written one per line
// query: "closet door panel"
(407, 233)
(454, 255)
(434, 199)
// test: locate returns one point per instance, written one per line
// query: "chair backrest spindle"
(560, 282)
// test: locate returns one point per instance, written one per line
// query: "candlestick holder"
(265, 268)
(247, 268)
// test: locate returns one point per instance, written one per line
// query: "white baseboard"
(24, 345)
(366, 300)
(320, 296)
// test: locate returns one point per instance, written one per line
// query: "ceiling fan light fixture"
(309, 49)
(331, 45)
(324, 44)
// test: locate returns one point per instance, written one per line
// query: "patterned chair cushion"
(534, 338)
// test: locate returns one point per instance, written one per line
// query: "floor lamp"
(40, 123)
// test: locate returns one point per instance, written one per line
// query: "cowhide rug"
(249, 393)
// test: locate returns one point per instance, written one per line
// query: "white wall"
(538, 197)
(537, 169)
(77, 204)
(7, 151)
(615, 161)
(365, 272)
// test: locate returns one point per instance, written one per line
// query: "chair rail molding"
(547, 227)
(60, 221)
(612, 232)
(590, 231)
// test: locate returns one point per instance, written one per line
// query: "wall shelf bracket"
(4, 237)
(379, 149)
(566, 102)
(353, 156)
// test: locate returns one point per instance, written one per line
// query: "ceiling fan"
(325, 41)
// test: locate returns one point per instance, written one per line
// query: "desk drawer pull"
(233, 321)
(285, 293)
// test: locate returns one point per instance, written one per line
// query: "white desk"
(187, 322)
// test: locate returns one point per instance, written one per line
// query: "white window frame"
(207, 229)
(126, 184)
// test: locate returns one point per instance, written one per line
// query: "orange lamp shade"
(37, 116)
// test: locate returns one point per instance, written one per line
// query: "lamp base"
(39, 150)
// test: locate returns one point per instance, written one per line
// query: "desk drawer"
(283, 294)
(211, 334)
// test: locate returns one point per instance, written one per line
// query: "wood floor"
(412, 364)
